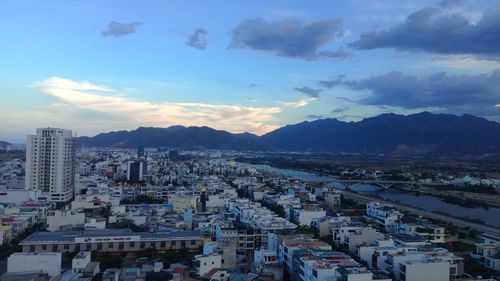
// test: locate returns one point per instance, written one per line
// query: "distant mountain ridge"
(387, 133)
(4, 144)
(174, 137)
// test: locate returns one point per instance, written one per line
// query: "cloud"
(438, 30)
(462, 62)
(289, 37)
(299, 103)
(117, 29)
(315, 116)
(198, 39)
(338, 54)
(125, 112)
(314, 93)
(334, 81)
(447, 4)
(340, 109)
(476, 94)
(253, 85)
(351, 117)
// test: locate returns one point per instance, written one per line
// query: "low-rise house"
(180, 203)
(50, 263)
(384, 214)
(80, 261)
(430, 232)
(265, 257)
(289, 246)
(227, 250)
(95, 223)
(203, 264)
(424, 270)
(306, 214)
(409, 240)
(58, 220)
(330, 226)
(488, 252)
(351, 238)
(333, 199)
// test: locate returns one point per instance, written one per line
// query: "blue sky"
(95, 66)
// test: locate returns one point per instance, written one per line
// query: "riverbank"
(438, 216)
(429, 203)
(464, 199)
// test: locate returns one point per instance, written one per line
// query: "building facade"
(110, 241)
(50, 164)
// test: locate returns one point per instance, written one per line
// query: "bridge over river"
(386, 184)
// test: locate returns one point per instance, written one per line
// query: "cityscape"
(250, 141)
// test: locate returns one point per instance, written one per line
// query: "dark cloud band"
(198, 39)
(436, 30)
(289, 37)
(454, 93)
(117, 29)
(314, 93)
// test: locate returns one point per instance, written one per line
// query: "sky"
(242, 66)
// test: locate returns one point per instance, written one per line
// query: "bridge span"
(386, 184)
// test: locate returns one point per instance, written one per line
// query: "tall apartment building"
(137, 169)
(50, 164)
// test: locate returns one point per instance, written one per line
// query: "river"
(490, 216)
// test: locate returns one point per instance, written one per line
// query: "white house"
(80, 261)
(384, 214)
(59, 219)
(425, 270)
(205, 263)
(49, 263)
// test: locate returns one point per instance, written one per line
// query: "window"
(66, 246)
(121, 245)
(163, 244)
(44, 247)
(110, 245)
(132, 244)
(99, 246)
(193, 242)
(88, 246)
(183, 244)
(143, 245)
(54, 248)
(173, 243)
(32, 248)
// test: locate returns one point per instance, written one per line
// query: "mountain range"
(3, 144)
(387, 133)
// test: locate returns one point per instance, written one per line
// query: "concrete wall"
(24, 262)
(64, 218)
(115, 246)
(435, 271)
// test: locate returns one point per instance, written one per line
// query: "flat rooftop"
(70, 236)
(407, 237)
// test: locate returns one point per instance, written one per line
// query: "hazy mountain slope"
(418, 133)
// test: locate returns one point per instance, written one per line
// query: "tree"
(173, 256)
(109, 261)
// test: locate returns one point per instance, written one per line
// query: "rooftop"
(70, 236)
(408, 238)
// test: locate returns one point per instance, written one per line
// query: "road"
(3, 266)
(458, 222)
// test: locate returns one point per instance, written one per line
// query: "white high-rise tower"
(50, 164)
